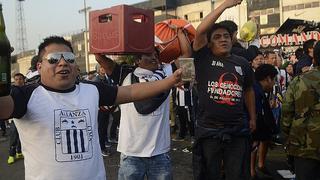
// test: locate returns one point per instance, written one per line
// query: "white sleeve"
(255, 42)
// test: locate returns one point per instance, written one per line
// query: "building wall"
(301, 9)
(194, 13)
(267, 13)
(77, 41)
(237, 14)
(197, 10)
(23, 64)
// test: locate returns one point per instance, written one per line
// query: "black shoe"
(113, 141)
(276, 140)
(105, 153)
(264, 171)
(107, 144)
(254, 177)
(178, 139)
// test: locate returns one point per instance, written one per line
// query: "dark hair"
(215, 27)
(91, 72)
(138, 57)
(233, 27)
(257, 53)
(267, 53)
(298, 53)
(19, 74)
(52, 40)
(34, 62)
(316, 53)
(308, 44)
(264, 71)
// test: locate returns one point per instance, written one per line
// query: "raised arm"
(6, 107)
(204, 27)
(185, 46)
(107, 63)
(146, 90)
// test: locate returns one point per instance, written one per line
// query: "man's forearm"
(141, 91)
(208, 22)
(287, 116)
(6, 107)
(250, 103)
(107, 63)
(185, 45)
(210, 19)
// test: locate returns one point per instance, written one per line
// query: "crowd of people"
(241, 100)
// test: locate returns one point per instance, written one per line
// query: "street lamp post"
(85, 11)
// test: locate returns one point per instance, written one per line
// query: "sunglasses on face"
(54, 58)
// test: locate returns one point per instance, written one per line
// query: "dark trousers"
(209, 153)
(185, 119)
(15, 145)
(115, 124)
(307, 169)
(103, 121)
(3, 127)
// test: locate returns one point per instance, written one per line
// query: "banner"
(276, 40)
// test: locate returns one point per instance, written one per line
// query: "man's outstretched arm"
(146, 90)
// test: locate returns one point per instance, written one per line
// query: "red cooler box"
(121, 29)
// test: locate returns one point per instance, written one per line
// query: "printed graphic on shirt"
(73, 135)
(217, 63)
(226, 90)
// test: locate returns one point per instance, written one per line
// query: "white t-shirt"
(59, 133)
(144, 135)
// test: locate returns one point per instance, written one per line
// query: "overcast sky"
(49, 17)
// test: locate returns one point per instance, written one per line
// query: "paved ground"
(181, 163)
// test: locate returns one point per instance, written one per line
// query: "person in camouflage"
(301, 121)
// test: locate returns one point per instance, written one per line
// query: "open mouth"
(64, 72)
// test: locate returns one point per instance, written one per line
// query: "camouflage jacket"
(301, 115)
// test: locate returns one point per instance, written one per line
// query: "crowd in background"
(241, 102)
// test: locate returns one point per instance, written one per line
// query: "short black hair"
(52, 40)
(308, 44)
(316, 53)
(92, 72)
(215, 27)
(257, 53)
(34, 61)
(231, 25)
(269, 52)
(19, 74)
(138, 57)
(264, 71)
(298, 53)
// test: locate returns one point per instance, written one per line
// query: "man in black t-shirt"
(224, 86)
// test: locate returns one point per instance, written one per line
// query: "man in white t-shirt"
(144, 132)
(57, 118)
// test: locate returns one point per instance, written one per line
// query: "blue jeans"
(136, 168)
